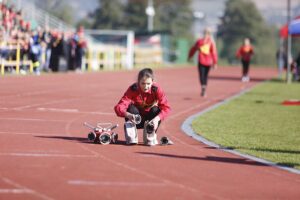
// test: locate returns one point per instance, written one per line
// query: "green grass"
(257, 124)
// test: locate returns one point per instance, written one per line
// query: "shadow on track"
(69, 138)
(77, 139)
(241, 161)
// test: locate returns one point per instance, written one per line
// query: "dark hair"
(146, 72)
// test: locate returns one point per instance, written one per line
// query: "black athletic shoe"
(203, 93)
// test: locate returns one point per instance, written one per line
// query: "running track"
(44, 153)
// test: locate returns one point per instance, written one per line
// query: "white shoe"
(78, 71)
(150, 139)
(23, 72)
(37, 73)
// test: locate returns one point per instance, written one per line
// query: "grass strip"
(257, 124)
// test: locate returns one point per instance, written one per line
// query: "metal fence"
(40, 17)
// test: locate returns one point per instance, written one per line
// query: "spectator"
(297, 68)
(281, 60)
(35, 51)
(37, 46)
(77, 47)
(46, 39)
(71, 55)
(25, 50)
(3, 46)
(56, 50)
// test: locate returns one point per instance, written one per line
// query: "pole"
(130, 50)
(19, 4)
(18, 52)
(289, 45)
(150, 12)
(150, 18)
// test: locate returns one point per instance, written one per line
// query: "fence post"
(89, 64)
(18, 59)
(2, 67)
(31, 67)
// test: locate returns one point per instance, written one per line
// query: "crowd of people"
(44, 47)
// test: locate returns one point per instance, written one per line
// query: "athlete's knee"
(133, 109)
(154, 111)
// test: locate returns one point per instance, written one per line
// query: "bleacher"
(29, 33)
(21, 21)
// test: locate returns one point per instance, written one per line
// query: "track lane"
(57, 162)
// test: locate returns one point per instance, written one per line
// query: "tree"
(64, 13)
(242, 19)
(58, 8)
(135, 17)
(109, 15)
(175, 16)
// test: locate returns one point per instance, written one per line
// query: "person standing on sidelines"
(207, 58)
(281, 59)
(245, 53)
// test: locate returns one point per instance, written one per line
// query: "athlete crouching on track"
(145, 98)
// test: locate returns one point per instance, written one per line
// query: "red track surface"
(44, 153)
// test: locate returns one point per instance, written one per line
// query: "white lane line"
(31, 119)
(130, 167)
(115, 183)
(57, 101)
(35, 134)
(141, 171)
(74, 111)
(58, 110)
(15, 191)
(122, 165)
(31, 93)
(23, 188)
(190, 109)
(46, 155)
(200, 105)
(45, 103)
(178, 114)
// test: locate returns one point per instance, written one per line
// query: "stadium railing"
(114, 58)
(148, 56)
(105, 58)
(15, 63)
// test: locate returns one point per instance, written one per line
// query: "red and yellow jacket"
(245, 52)
(207, 55)
(144, 101)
